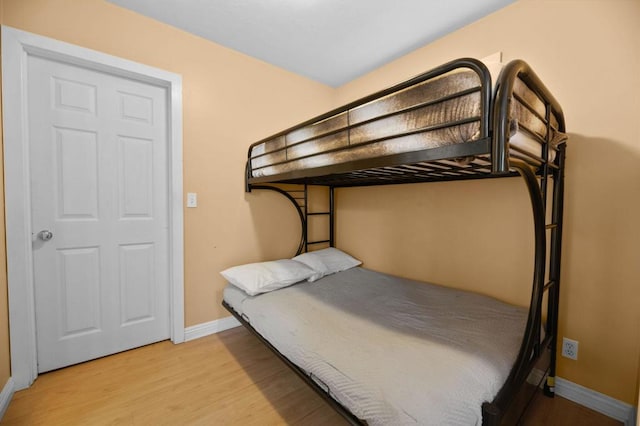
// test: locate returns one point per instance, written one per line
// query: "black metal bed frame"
(433, 165)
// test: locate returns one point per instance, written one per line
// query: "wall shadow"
(601, 242)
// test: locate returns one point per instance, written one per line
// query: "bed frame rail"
(299, 198)
(348, 416)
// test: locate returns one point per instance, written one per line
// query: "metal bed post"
(554, 267)
(306, 216)
(304, 213)
(332, 216)
(301, 213)
(493, 411)
(531, 349)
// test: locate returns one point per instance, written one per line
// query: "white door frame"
(17, 45)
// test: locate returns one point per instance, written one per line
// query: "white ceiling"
(330, 41)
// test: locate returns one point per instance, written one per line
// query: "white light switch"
(192, 199)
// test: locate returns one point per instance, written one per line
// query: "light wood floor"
(226, 379)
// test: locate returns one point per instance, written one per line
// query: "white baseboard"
(5, 396)
(211, 327)
(596, 401)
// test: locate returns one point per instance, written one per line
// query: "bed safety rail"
(337, 130)
(501, 121)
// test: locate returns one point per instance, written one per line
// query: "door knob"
(45, 235)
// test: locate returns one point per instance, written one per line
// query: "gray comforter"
(391, 350)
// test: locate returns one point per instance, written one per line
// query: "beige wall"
(231, 100)
(477, 234)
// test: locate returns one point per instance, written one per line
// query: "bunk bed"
(455, 122)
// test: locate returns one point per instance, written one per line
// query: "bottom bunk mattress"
(391, 350)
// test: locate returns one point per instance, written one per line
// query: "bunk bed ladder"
(553, 285)
(554, 172)
(329, 213)
(544, 185)
(299, 197)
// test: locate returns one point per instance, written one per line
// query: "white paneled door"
(99, 212)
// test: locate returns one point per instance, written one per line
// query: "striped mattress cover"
(391, 350)
(428, 111)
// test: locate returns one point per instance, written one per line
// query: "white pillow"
(256, 278)
(327, 261)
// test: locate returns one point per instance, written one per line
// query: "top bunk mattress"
(441, 111)
(391, 350)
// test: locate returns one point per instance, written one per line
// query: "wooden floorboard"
(229, 378)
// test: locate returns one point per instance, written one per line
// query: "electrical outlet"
(569, 348)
